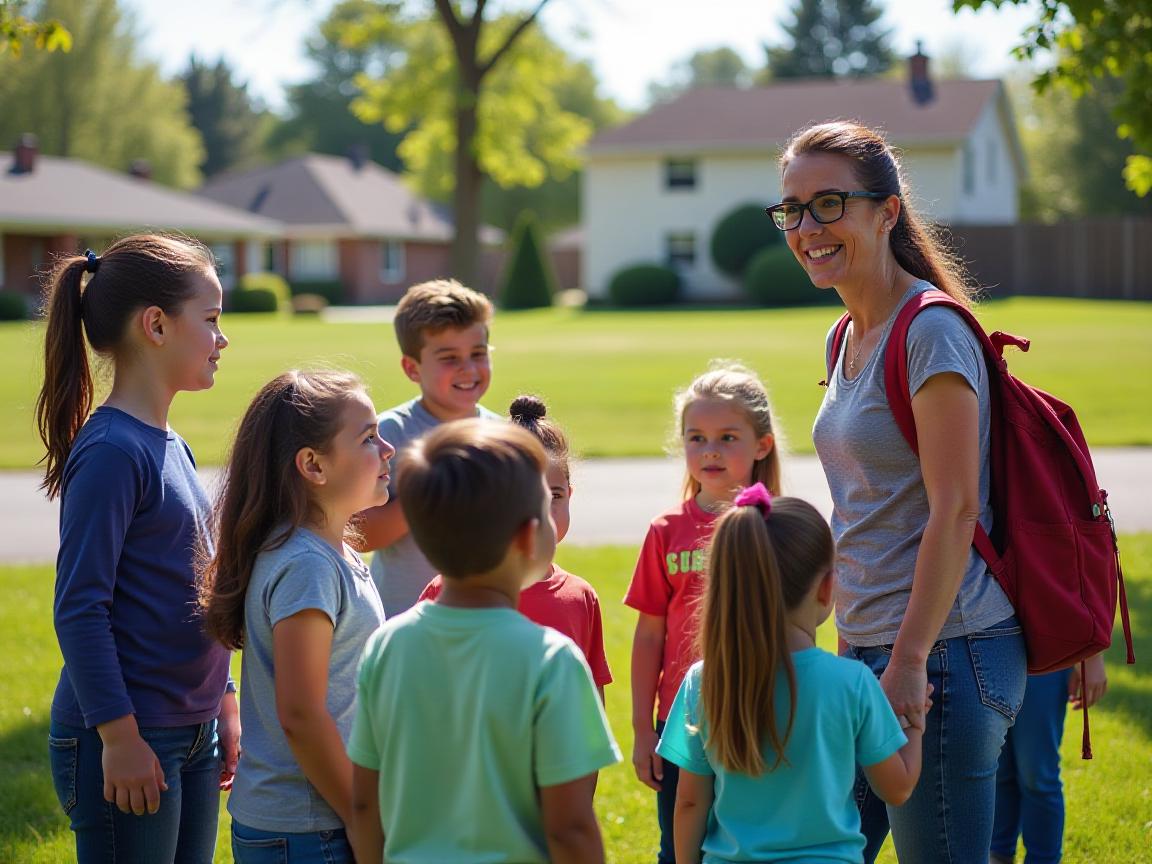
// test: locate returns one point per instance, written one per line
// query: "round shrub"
(331, 290)
(13, 306)
(739, 236)
(273, 282)
(528, 283)
(309, 304)
(775, 278)
(644, 285)
(255, 300)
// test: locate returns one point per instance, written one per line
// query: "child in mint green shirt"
(783, 793)
(478, 734)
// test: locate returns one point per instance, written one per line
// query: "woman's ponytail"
(66, 397)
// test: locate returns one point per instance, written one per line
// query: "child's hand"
(228, 733)
(649, 766)
(133, 778)
(920, 723)
(1087, 692)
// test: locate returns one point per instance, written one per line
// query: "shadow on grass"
(29, 810)
(1133, 698)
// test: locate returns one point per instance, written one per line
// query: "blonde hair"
(759, 568)
(429, 307)
(732, 382)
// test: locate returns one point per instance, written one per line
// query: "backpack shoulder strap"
(897, 390)
(839, 333)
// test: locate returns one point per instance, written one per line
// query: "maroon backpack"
(1053, 546)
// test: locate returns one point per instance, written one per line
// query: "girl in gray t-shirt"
(286, 587)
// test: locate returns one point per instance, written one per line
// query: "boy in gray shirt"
(442, 328)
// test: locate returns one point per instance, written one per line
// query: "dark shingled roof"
(726, 118)
(72, 195)
(330, 195)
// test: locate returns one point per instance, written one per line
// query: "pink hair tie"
(756, 496)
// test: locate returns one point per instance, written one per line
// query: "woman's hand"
(133, 778)
(906, 685)
(228, 732)
(1087, 692)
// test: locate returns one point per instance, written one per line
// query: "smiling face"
(721, 448)
(454, 370)
(560, 491)
(192, 337)
(355, 462)
(854, 249)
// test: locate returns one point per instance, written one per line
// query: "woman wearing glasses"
(914, 600)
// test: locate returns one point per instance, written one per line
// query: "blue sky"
(629, 42)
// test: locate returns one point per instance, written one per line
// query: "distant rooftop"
(331, 195)
(729, 118)
(70, 195)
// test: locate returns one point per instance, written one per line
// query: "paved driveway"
(613, 500)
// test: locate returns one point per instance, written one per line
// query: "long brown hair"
(263, 498)
(135, 272)
(731, 382)
(918, 246)
(758, 568)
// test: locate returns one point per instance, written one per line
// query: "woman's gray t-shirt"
(270, 792)
(880, 505)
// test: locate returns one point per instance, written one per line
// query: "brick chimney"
(24, 156)
(141, 169)
(919, 80)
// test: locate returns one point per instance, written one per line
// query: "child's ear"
(524, 540)
(825, 588)
(764, 445)
(411, 368)
(310, 467)
(152, 324)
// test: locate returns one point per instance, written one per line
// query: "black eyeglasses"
(825, 208)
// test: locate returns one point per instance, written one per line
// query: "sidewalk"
(612, 503)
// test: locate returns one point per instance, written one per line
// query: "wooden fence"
(1099, 258)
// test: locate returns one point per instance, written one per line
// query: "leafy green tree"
(529, 283)
(320, 117)
(712, 67)
(16, 28)
(231, 126)
(1090, 42)
(100, 102)
(475, 95)
(831, 38)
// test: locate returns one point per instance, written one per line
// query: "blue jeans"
(182, 831)
(666, 806)
(978, 683)
(253, 846)
(1029, 795)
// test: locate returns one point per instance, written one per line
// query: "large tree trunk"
(466, 196)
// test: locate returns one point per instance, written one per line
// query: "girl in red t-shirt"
(724, 421)
(561, 600)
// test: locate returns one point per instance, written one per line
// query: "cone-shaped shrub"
(528, 282)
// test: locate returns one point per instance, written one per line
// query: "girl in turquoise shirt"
(768, 729)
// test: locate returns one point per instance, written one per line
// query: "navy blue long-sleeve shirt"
(132, 515)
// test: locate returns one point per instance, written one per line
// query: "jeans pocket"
(62, 754)
(998, 660)
(266, 850)
(335, 847)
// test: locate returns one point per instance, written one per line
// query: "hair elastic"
(93, 262)
(756, 495)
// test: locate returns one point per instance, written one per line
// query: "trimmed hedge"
(741, 234)
(528, 282)
(644, 285)
(775, 278)
(273, 282)
(13, 306)
(331, 290)
(255, 300)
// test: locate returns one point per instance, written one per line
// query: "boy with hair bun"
(478, 734)
(561, 600)
(442, 329)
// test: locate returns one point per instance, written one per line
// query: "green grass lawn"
(1109, 799)
(609, 376)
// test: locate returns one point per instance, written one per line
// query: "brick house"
(51, 205)
(350, 221)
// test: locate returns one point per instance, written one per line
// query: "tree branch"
(451, 22)
(486, 67)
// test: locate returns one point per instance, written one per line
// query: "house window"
(681, 250)
(392, 261)
(969, 168)
(314, 259)
(990, 161)
(680, 174)
(225, 255)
